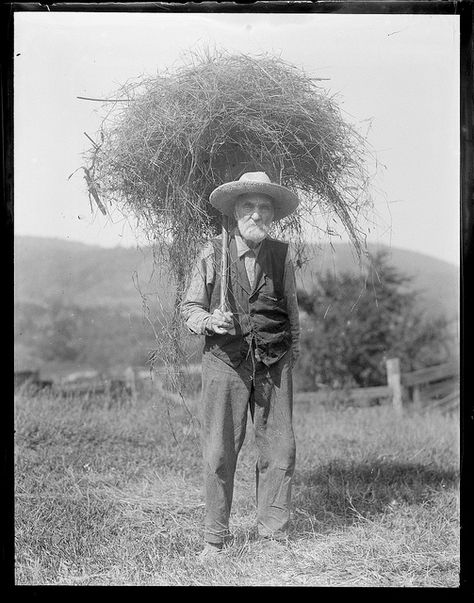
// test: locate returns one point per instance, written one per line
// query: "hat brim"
(224, 196)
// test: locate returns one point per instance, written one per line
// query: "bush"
(352, 324)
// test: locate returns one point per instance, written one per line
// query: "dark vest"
(260, 312)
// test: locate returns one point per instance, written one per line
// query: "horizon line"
(138, 245)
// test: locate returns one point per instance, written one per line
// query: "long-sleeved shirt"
(195, 307)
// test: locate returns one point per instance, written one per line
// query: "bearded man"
(248, 355)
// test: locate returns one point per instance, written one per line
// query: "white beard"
(251, 231)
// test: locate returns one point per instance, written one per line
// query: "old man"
(248, 355)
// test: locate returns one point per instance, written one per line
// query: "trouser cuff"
(216, 538)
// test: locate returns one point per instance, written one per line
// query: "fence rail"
(432, 373)
(370, 393)
(448, 403)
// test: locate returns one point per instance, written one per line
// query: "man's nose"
(256, 215)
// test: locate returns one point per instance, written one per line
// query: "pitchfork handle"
(224, 263)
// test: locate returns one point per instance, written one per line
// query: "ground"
(111, 494)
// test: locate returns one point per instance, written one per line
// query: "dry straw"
(167, 141)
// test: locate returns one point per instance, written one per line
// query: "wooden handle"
(224, 263)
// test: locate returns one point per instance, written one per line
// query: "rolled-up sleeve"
(292, 305)
(195, 305)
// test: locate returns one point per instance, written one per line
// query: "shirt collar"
(242, 247)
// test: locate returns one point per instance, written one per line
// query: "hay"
(167, 141)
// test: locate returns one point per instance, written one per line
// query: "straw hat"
(224, 196)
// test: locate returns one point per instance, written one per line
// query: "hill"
(90, 276)
(85, 275)
(436, 281)
(79, 306)
(82, 306)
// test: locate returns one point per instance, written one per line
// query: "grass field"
(111, 495)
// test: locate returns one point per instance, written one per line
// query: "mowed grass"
(112, 495)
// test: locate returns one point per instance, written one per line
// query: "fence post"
(394, 381)
(416, 397)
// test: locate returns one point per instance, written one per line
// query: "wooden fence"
(424, 389)
(435, 387)
(118, 386)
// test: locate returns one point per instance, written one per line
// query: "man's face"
(254, 214)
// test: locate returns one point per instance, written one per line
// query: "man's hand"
(221, 322)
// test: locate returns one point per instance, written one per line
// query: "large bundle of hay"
(169, 140)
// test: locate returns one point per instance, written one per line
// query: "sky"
(395, 77)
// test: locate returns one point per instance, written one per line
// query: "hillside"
(84, 275)
(90, 276)
(435, 281)
(80, 306)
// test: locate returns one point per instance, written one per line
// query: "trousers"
(227, 395)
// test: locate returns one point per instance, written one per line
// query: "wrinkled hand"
(221, 322)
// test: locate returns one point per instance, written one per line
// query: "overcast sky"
(401, 72)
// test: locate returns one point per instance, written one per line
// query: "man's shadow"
(340, 493)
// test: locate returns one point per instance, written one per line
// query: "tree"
(352, 324)
(60, 337)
